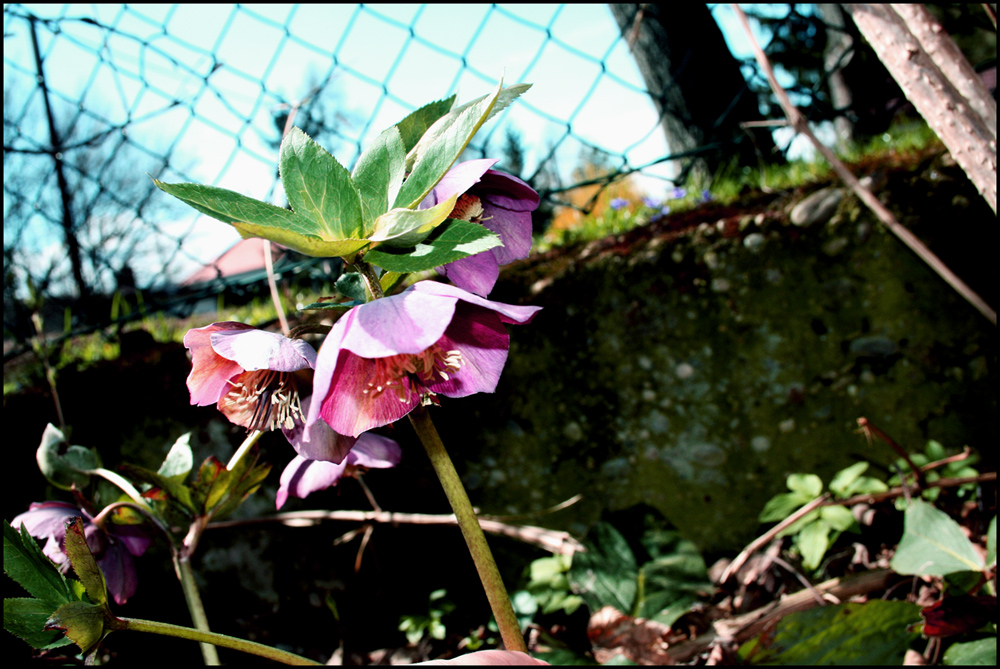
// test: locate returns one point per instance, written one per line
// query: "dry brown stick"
(554, 541)
(765, 538)
(745, 627)
(872, 498)
(866, 196)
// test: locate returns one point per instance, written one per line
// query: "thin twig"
(799, 123)
(892, 493)
(755, 545)
(553, 541)
(870, 429)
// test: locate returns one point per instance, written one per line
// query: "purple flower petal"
(459, 179)
(322, 444)
(259, 349)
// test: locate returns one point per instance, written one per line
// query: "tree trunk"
(694, 81)
(914, 64)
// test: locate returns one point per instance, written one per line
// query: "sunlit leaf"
(25, 618)
(412, 128)
(82, 622)
(933, 544)
(378, 174)
(84, 565)
(24, 562)
(402, 228)
(459, 240)
(179, 461)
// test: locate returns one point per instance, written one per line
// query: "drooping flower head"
(500, 202)
(303, 476)
(249, 373)
(385, 357)
(115, 546)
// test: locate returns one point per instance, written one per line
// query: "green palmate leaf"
(405, 228)
(64, 466)
(440, 147)
(378, 175)
(837, 517)
(933, 544)
(870, 634)
(26, 618)
(459, 240)
(606, 573)
(412, 128)
(83, 623)
(783, 505)
(843, 479)
(84, 564)
(177, 465)
(319, 188)
(253, 218)
(24, 562)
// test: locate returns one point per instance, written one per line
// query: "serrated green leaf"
(606, 573)
(64, 467)
(870, 634)
(25, 618)
(253, 218)
(24, 562)
(179, 461)
(329, 306)
(813, 540)
(378, 174)
(807, 484)
(405, 228)
(412, 128)
(933, 544)
(440, 147)
(459, 240)
(81, 622)
(319, 188)
(84, 564)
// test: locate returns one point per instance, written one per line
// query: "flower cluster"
(382, 358)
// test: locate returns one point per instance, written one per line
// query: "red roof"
(247, 255)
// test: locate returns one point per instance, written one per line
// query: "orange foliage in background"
(567, 218)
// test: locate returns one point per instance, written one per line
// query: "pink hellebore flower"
(501, 203)
(303, 476)
(114, 546)
(488, 657)
(248, 373)
(257, 379)
(385, 357)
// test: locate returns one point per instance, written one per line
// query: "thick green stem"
(212, 639)
(186, 576)
(496, 593)
(367, 272)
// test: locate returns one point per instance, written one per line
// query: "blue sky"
(390, 59)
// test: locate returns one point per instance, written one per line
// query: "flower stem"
(367, 272)
(182, 565)
(496, 593)
(212, 639)
(244, 447)
(126, 487)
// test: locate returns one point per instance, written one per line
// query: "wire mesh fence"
(98, 97)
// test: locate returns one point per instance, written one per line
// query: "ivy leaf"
(319, 188)
(440, 147)
(933, 544)
(413, 127)
(403, 228)
(459, 240)
(606, 573)
(379, 173)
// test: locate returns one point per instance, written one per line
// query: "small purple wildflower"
(677, 193)
(618, 203)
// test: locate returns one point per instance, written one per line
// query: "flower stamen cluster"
(273, 397)
(408, 373)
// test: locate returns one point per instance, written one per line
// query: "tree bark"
(694, 81)
(939, 100)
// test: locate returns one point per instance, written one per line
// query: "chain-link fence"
(97, 97)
